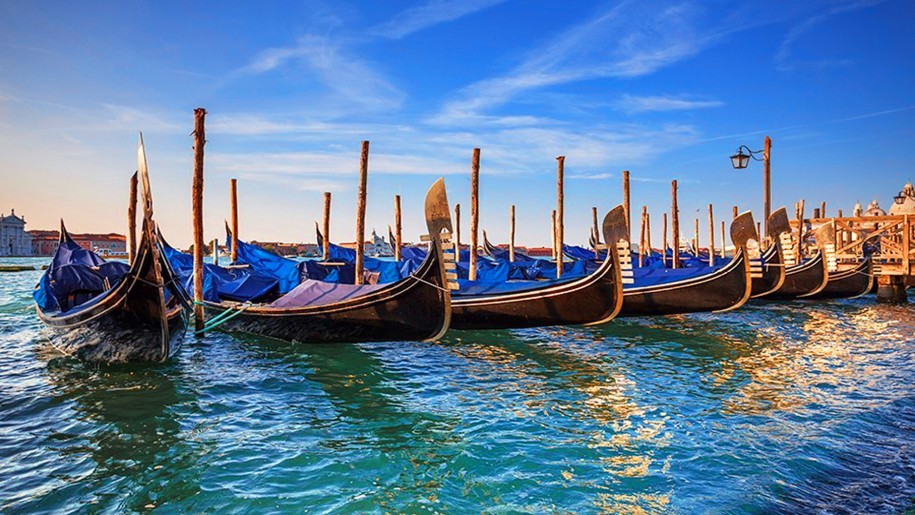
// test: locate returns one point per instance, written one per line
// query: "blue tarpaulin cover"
(239, 284)
(75, 277)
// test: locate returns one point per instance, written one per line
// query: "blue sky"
(666, 89)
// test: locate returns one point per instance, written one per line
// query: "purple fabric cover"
(317, 293)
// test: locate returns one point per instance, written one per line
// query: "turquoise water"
(779, 407)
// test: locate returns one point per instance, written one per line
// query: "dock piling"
(132, 220)
(325, 246)
(398, 229)
(675, 224)
(360, 212)
(233, 202)
(474, 211)
(197, 215)
(560, 222)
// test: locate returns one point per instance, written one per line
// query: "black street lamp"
(740, 160)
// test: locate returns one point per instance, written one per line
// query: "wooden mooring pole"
(723, 241)
(325, 245)
(767, 180)
(197, 214)
(642, 239)
(474, 211)
(734, 209)
(360, 212)
(511, 234)
(696, 244)
(553, 233)
(647, 232)
(560, 216)
(233, 203)
(132, 220)
(664, 239)
(398, 229)
(675, 224)
(711, 236)
(457, 230)
(595, 231)
(626, 201)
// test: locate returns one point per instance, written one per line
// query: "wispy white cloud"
(429, 14)
(328, 61)
(783, 59)
(608, 45)
(639, 104)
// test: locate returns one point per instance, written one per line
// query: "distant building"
(377, 247)
(14, 240)
(904, 203)
(44, 243)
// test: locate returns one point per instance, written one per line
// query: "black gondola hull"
(847, 284)
(592, 299)
(415, 308)
(725, 289)
(803, 280)
(773, 273)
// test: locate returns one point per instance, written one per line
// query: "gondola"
(415, 308)
(809, 277)
(689, 290)
(589, 300)
(771, 273)
(106, 311)
(848, 284)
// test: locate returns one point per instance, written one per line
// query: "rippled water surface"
(778, 407)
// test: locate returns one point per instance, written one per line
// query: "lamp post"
(740, 161)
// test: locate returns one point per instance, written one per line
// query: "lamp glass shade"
(740, 160)
(900, 199)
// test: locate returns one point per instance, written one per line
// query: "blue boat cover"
(76, 279)
(238, 284)
(655, 276)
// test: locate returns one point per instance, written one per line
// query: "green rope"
(221, 318)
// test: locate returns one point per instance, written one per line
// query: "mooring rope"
(221, 318)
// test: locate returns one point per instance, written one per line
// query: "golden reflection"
(636, 504)
(791, 368)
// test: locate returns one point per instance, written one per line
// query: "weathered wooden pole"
(664, 239)
(197, 214)
(457, 230)
(758, 231)
(800, 231)
(560, 215)
(823, 209)
(626, 201)
(642, 238)
(595, 231)
(697, 237)
(711, 236)
(360, 212)
(325, 246)
(648, 232)
(816, 213)
(398, 229)
(553, 233)
(767, 180)
(233, 202)
(511, 235)
(132, 220)
(215, 250)
(735, 212)
(675, 224)
(474, 211)
(724, 242)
